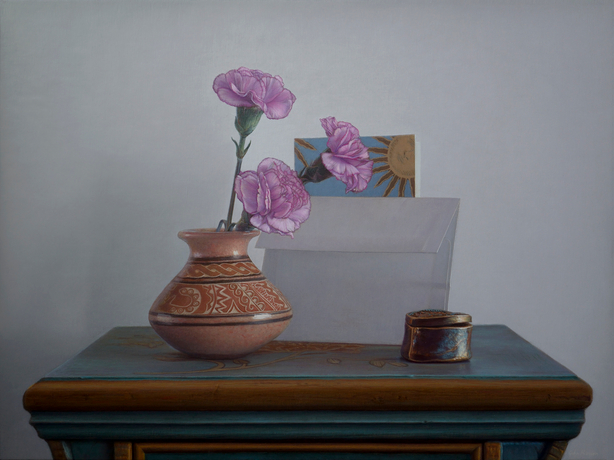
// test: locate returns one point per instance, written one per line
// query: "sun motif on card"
(398, 159)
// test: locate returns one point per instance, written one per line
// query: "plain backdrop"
(111, 141)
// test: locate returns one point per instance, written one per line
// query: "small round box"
(437, 336)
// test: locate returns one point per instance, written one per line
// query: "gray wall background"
(111, 141)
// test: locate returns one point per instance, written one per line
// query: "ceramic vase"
(220, 305)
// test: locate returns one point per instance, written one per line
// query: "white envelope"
(358, 265)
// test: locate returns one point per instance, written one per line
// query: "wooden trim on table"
(122, 451)
(492, 451)
(308, 394)
(142, 449)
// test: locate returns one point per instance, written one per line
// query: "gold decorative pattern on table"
(296, 350)
(139, 340)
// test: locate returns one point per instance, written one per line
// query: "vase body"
(220, 305)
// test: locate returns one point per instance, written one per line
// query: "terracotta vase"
(220, 305)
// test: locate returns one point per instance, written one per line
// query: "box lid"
(383, 225)
(436, 318)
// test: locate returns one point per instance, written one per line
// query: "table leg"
(60, 450)
(556, 450)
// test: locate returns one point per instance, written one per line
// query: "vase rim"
(201, 231)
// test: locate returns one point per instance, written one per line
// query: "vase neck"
(207, 243)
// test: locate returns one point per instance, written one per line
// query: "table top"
(127, 353)
(131, 368)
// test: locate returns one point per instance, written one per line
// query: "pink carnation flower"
(348, 159)
(244, 87)
(274, 197)
(330, 124)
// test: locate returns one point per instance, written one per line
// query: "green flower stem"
(241, 149)
(245, 122)
(243, 224)
(233, 194)
(315, 172)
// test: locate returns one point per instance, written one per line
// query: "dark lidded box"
(437, 336)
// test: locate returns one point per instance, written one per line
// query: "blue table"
(131, 396)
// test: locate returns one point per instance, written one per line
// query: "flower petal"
(246, 186)
(275, 100)
(238, 87)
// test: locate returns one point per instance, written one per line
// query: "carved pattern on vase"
(272, 296)
(183, 300)
(225, 270)
(227, 300)
(209, 299)
(223, 299)
(244, 295)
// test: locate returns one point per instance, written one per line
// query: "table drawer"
(306, 451)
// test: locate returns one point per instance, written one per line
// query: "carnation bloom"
(274, 197)
(244, 87)
(330, 124)
(348, 159)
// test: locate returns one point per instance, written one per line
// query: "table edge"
(308, 394)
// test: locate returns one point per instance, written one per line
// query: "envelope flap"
(352, 224)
